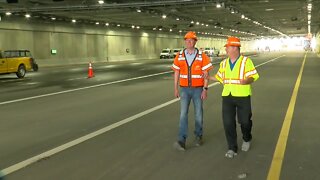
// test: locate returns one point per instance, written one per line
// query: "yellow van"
(17, 61)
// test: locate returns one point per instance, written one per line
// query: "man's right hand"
(176, 93)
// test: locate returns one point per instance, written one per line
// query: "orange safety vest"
(191, 76)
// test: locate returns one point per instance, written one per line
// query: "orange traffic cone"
(90, 71)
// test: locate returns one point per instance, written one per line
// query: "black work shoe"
(198, 141)
(181, 146)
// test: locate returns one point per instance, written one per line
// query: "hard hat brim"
(237, 45)
(191, 38)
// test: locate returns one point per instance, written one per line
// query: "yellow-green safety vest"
(243, 69)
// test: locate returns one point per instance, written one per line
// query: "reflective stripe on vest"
(192, 76)
(199, 57)
(224, 64)
(231, 81)
(196, 76)
(206, 67)
(184, 76)
(219, 74)
(250, 73)
(181, 58)
(176, 67)
(242, 67)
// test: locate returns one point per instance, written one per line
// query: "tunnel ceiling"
(244, 18)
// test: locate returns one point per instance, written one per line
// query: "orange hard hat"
(191, 35)
(233, 41)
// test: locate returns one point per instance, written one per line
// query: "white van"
(165, 53)
(209, 51)
(212, 52)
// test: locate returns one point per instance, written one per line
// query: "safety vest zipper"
(189, 68)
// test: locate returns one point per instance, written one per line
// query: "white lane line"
(77, 78)
(110, 66)
(271, 60)
(12, 80)
(135, 64)
(32, 83)
(70, 144)
(78, 89)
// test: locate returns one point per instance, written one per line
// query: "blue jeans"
(186, 95)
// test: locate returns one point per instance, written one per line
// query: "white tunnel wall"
(317, 48)
(76, 44)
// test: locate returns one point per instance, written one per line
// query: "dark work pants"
(239, 107)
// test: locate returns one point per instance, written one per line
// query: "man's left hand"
(204, 94)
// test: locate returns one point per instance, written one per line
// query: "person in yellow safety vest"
(191, 67)
(236, 73)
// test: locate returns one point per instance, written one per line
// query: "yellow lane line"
(276, 164)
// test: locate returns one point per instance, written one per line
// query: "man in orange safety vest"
(190, 67)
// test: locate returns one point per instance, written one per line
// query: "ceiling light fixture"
(309, 7)
(27, 15)
(8, 13)
(101, 2)
(309, 18)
